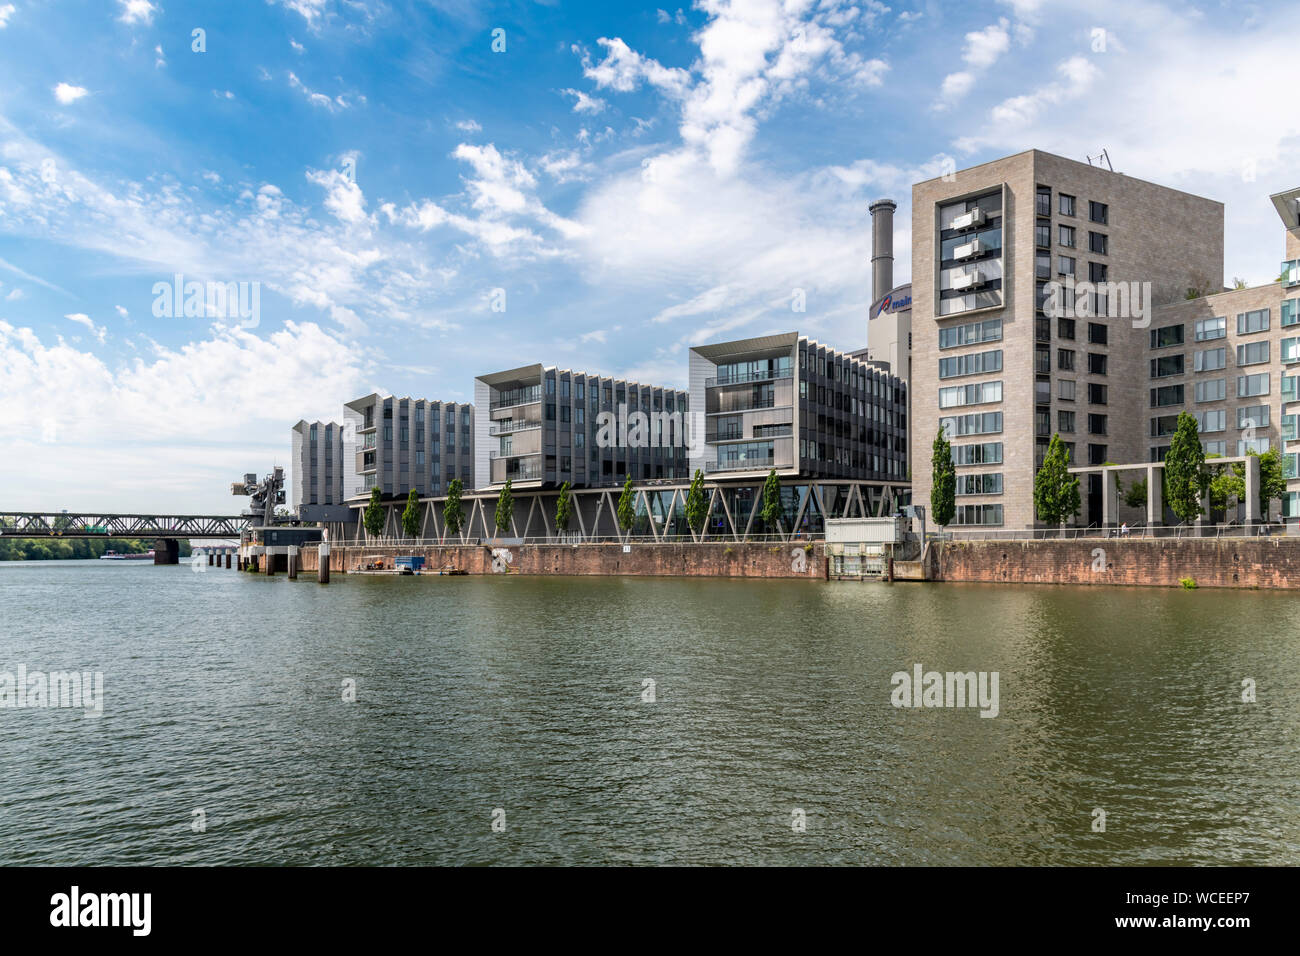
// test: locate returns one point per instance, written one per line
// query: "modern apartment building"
(1232, 359)
(318, 452)
(547, 425)
(402, 444)
(1026, 322)
(787, 403)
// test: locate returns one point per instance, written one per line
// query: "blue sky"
(636, 179)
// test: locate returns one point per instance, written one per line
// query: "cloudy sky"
(626, 180)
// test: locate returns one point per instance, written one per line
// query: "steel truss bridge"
(35, 524)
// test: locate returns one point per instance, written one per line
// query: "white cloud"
(66, 93)
(137, 11)
(121, 311)
(343, 197)
(14, 295)
(317, 99)
(82, 319)
(309, 10)
(584, 103)
(983, 49)
(595, 335)
(469, 126)
(212, 409)
(6, 11)
(160, 59)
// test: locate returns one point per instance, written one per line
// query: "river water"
(522, 702)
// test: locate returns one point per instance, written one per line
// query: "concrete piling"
(293, 563)
(323, 563)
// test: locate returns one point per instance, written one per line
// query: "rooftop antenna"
(1103, 156)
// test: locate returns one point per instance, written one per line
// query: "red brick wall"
(1266, 562)
(686, 560)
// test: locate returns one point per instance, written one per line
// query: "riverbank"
(1262, 562)
(711, 559)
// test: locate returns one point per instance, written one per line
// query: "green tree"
(411, 515)
(374, 514)
(453, 513)
(505, 507)
(697, 505)
(773, 511)
(1272, 486)
(626, 508)
(943, 487)
(1056, 491)
(563, 509)
(1186, 478)
(1136, 495)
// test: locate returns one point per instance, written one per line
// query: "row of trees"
(453, 512)
(1187, 477)
(53, 549)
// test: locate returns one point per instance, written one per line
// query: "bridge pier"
(227, 560)
(166, 551)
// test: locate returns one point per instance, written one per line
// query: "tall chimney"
(882, 247)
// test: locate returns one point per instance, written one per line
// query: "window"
(1097, 272)
(1065, 328)
(1065, 421)
(977, 394)
(1096, 394)
(1249, 386)
(1066, 205)
(1098, 212)
(1065, 390)
(1256, 321)
(984, 453)
(1097, 243)
(1213, 390)
(1252, 353)
(1164, 425)
(1097, 454)
(1043, 201)
(1096, 424)
(982, 484)
(1214, 420)
(1065, 360)
(977, 515)
(1290, 349)
(1252, 416)
(1096, 363)
(1097, 333)
(975, 364)
(1219, 448)
(1043, 235)
(1164, 337)
(1291, 312)
(1043, 265)
(1166, 396)
(1067, 236)
(1207, 360)
(1247, 445)
(1065, 265)
(987, 423)
(1167, 365)
(1207, 329)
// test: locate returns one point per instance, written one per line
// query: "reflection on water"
(224, 692)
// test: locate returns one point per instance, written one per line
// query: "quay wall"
(1259, 562)
(712, 559)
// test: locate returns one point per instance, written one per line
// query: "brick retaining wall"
(1264, 562)
(656, 560)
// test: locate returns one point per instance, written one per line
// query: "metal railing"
(1230, 529)
(741, 378)
(505, 428)
(571, 538)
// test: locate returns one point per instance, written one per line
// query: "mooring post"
(269, 559)
(227, 560)
(323, 563)
(293, 563)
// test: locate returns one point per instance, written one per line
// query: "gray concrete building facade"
(404, 444)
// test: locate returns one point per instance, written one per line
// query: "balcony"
(527, 468)
(967, 280)
(740, 378)
(973, 248)
(510, 427)
(970, 220)
(518, 396)
(753, 463)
